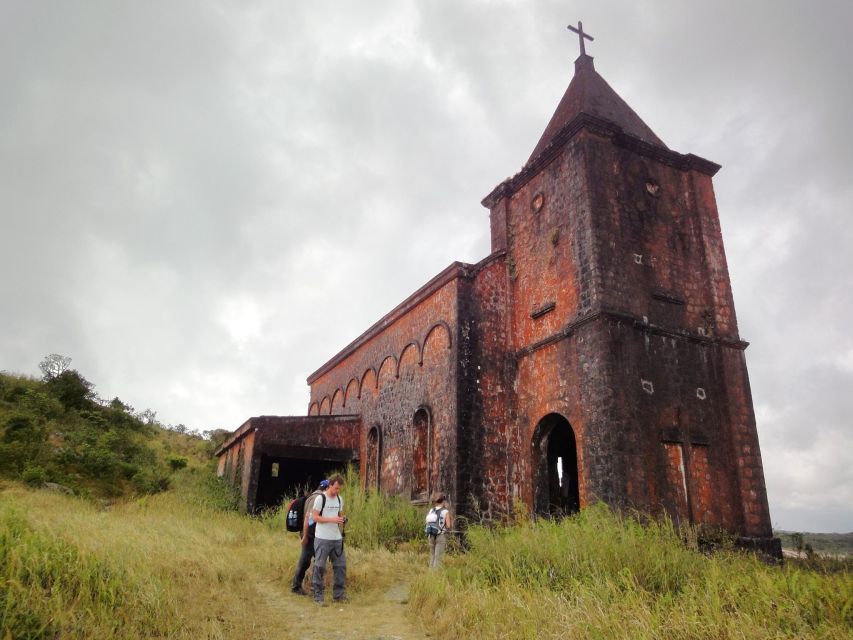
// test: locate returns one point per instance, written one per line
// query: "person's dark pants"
(303, 564)
(330, 550)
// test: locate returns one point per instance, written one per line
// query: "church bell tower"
(621, 324)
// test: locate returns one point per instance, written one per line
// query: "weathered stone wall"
(485, 397)
(327, 438)
(405, 363)
(599, 336)
(621, 320)
(320, 432)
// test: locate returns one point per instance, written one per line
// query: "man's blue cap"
(324, 484)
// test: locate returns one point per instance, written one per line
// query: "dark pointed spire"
(589, 93)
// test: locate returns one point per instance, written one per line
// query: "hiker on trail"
(307, 539)
(438, 523)
(329, 541)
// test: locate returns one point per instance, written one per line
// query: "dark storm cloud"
(202, 202)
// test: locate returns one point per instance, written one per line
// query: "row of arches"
(389, 367)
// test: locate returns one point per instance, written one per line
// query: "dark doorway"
(280, 477)
(555, 458)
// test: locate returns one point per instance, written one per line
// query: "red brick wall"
(402, 367)
(485, 397)
(606, 301)
(621, 319)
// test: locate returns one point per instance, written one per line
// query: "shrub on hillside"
(34, 476)
(177, 462)
(71, 389)
(54, 430)
(23, 442)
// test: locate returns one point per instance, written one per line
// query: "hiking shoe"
(342, 600)
(321, 603)
(299, 591)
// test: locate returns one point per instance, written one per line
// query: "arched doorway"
(421, 454)
(555, 473)
(372, 462)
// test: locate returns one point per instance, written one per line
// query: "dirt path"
(365, 617)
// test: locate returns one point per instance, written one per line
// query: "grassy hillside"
(183, 564)
(178, 564)
(56, 430)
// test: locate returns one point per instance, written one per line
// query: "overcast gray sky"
(201, 202)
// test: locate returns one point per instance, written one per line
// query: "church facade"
(593, 355)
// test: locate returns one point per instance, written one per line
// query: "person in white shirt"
(329, 541)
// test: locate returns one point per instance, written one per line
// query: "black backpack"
(296, 511)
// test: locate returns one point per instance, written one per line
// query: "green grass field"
(182, 564)
(178, 564)
(151, 546)
(597, 575)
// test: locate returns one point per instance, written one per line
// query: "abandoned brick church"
(592, 355)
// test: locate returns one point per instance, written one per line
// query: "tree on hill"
(53, 365)
(216, 438)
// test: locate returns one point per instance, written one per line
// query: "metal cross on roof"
(581, 35)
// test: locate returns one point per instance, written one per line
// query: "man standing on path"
(329, 542)
(307, 541)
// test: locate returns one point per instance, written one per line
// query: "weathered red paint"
(604, 308)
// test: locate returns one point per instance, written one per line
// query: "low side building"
(271, 456)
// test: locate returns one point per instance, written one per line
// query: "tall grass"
(181, 564)
(49, 588)
(166, 565)
(377, 520)
(598, 575)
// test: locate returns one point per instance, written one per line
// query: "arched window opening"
(372, 463)
(421, 454)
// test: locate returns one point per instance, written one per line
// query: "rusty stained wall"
(318, 432)
(406, 365)
(486, 417)
(620, 318)
(235, 465)
(326, 437)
